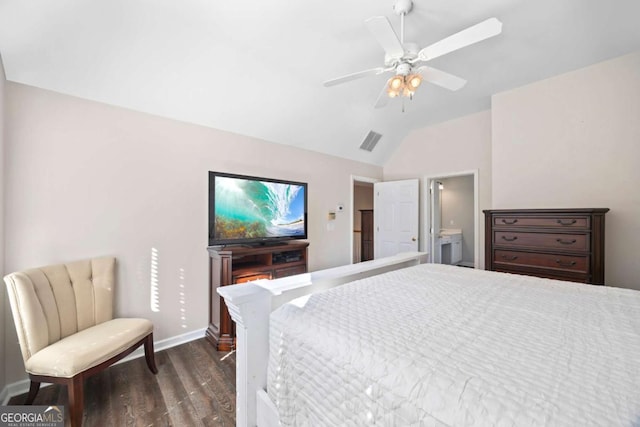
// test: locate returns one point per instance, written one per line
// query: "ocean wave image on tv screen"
(248, 209)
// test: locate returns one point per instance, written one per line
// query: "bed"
(405, 343)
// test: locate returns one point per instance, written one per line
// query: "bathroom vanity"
(450, 241)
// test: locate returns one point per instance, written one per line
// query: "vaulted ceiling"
(256, 67)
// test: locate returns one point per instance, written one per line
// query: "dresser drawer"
(290, 271)
(250, 277)
(550, 274)
(573, 222)
(572, 263)
(557, 241)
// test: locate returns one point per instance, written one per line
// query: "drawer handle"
(509, 239)
(510, 258)
(561, 222)
(513, 221)
(566, 242)
(565, 264)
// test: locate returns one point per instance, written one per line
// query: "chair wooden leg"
(149, 355)
(33, 391)
(76, 400)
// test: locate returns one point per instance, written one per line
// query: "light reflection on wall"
(155, 290)
(183, 310)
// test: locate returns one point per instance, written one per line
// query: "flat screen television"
(251, 210)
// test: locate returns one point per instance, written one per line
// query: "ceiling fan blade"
(383, 98)
(354, 76)
(440, 78)
(489, 28)
(383, 32)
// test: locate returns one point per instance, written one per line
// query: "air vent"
(370, 141)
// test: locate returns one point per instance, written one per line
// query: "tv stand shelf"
(239, 264)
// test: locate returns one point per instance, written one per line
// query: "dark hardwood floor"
(195, 386)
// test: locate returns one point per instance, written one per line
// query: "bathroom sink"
(450, 245)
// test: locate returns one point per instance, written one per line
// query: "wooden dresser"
(565, 244)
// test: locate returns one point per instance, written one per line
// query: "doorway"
(385, 217)
(451, 218)
(361, 200)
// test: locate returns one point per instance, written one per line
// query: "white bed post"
(249, 306)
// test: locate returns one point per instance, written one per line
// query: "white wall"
(86, 179)
(4, 306)
(462, 144)
(458, 211)
(574, 141)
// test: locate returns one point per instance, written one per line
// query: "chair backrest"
(50, 303)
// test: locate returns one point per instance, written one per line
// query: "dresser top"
(549, 211)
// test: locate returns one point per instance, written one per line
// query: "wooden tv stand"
(238, 264)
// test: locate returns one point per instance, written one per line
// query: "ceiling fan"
(403, 58)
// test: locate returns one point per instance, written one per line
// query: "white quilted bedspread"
(450, 346)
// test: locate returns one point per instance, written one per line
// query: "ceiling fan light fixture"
(392, 92)
(413, 81)
(396, 83)
(403, 85)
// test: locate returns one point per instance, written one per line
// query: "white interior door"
(396, 207)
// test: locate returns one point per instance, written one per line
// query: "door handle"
(565, 264)
(569, 222)
(413, 239)
(566, 242)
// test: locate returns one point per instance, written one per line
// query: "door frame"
(354, 179)
(476, 211)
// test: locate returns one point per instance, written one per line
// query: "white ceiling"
(256, 67)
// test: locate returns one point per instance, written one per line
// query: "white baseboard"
(15, 389)
(167, 343)
(4, 396)
(467, 264)
(21, 387)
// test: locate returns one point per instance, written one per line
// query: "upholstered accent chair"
(64, 318)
